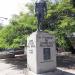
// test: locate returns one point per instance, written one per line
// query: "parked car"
(10, 53)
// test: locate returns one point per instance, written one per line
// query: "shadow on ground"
(19, 62)
(66, 61)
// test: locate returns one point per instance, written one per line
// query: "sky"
(11, 7)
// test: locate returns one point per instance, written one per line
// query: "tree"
(16, 32)
(60, 20)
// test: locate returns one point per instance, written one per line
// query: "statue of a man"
(40, 10)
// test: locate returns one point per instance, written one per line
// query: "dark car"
(10, 53)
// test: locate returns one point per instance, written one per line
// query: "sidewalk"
(67, 71)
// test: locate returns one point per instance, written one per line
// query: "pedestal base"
(57, 72)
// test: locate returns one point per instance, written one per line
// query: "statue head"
(40, 1)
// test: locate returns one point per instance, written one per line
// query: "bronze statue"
(41, 11)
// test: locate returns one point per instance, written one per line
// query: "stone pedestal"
(41, 54)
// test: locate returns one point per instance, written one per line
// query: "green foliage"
(15, 34)
(60, 21)
(61, 18)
